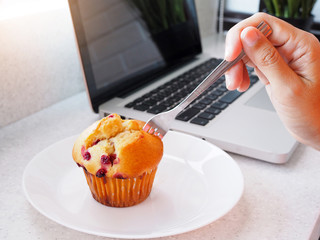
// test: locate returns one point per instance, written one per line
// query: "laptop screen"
(126, 43)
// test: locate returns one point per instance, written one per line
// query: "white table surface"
(279, 201)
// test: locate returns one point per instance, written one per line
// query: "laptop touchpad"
(260, 100)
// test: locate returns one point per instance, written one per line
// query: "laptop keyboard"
(205, 108)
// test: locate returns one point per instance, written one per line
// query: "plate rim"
(170, 232)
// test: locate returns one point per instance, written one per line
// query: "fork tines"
(155, 131)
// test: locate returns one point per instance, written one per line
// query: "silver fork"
(159, 124)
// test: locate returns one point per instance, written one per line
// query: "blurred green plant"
(159, 14)
(290, 8)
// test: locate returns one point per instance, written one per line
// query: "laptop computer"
(143, 57)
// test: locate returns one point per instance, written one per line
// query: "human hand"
(288, 63)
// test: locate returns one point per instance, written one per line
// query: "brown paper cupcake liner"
(116, 192)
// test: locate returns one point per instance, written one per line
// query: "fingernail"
(250, 36)
(228, 50)
(228, 82)
(227, 53)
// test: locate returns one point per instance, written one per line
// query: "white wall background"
(38, 59)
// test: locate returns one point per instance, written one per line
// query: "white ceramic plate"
(196, 184)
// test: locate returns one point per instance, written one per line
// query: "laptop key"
(205, 101)
(141, 107)
(188, 114)
(216, 92)
(230, 97)
(207, 115)
(253, 79)
(199, 121)
(211, 96)
(157, 109)
(149, 102)
(129, 105)
(219, 105)
(199, 106)
(222, 88)
(213, 110)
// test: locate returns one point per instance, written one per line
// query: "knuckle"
(269, 56)
(294, 91)
(259, 15)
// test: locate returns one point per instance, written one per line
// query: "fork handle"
(207, 82)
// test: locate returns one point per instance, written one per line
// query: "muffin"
(119, 160)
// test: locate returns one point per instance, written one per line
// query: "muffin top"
(117, 148)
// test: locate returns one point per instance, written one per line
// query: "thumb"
(267, 59)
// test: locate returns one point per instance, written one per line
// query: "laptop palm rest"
(261, 100)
